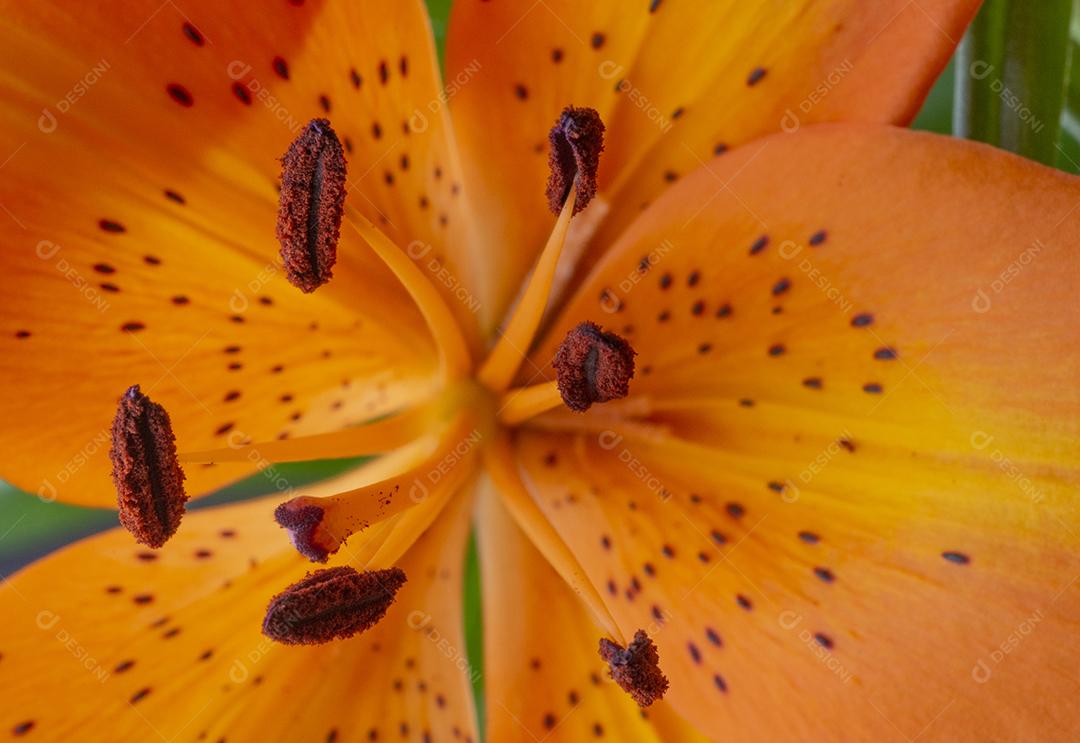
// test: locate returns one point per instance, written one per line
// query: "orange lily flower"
(838, 500)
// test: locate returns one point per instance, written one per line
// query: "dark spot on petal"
(241, 93)
(695, 654)
(180, 94)
(193, 34)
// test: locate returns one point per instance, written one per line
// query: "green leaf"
(1012, 75)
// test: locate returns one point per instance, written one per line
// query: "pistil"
(318, 527)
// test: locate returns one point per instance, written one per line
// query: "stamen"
(445, 330)
(311, 204)
(576, 142)
(577, 139)
(374, 438)
(319, 526)
(636, 668)
(149, 481)
(501, 466)
(593, 366)
(523, 403)
(331, 604)
(503, 361)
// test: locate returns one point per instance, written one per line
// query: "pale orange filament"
(521, 404)
(446, 333)
(502, 364)
(374, 438)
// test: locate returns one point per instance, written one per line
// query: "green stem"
(1012, 74)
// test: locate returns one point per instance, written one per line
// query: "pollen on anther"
(148, 478)
(331, 604)
(312, 203)
(593, 366)
(636, 668)
(577, 139)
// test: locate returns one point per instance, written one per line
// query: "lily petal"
(674, 82)
(127, 650)
(856, 454)
(139, 157)
(544, 677)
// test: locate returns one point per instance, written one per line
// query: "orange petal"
(544, 679)
(139, 230)
(837, 540)
(192, 663)
(673, 82)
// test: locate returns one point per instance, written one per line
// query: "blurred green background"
(1015, 92)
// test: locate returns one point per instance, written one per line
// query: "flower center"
(434, 447)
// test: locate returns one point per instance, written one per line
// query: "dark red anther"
(577, 139)
(331, 604)
(636, 668)
(311, 204)
(148, 478)
(593, 366)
